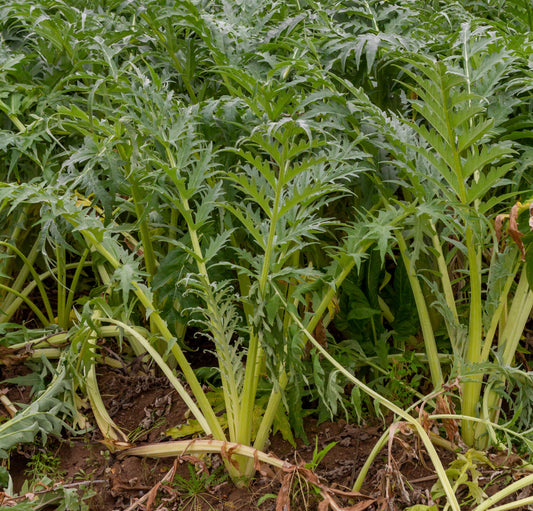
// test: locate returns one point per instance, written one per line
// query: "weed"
(44, 464)
(196, 490)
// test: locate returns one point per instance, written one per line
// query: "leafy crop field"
(286, 214)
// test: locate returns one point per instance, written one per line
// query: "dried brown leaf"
(320, 334)
(226, 453)
(423, 418)
(360, 506)
(498, 224)
(514, 232)
(263, 469)
(283, 502)
(445, 406)
(10, 357)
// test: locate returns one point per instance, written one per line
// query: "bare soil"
(144, 407)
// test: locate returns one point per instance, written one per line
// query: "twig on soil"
(7, 500)
(9, 406)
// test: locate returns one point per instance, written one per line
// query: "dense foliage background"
(249, 176)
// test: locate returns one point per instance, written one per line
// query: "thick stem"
(107, 426)
(62, 314)
(508, 344)
(423, 314)
(28, 267)
(472, 388)
(75, 280)
(22, 275)
(497, 317)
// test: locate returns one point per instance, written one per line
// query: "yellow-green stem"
(22, 275)
(106, 425)
(75, 279)
(472, 387)
(28, 302)
(507, 345)
(28, 265)
(62, 314)
(423, 315)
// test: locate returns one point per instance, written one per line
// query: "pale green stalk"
(507, 345)
(105, 423)
(472, 388)
(75, 280)
(188, 372)
(62, 313)
(522, 503)
(56, 353)
(509, 490)
(198, 446)
(28, 302)
(22, 275)
(497, 315)
(423, 315)
(29, 266)
(519, 314)
(59, 338)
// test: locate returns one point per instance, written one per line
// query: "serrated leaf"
(125, 274)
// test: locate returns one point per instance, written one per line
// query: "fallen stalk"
(203, 446)
(227, 450)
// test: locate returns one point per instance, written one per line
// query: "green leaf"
(5, 478)
(125, 274)
(281, 423)
(42, 416)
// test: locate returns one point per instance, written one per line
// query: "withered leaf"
(514, 232)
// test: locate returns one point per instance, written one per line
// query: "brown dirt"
(144, 407)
